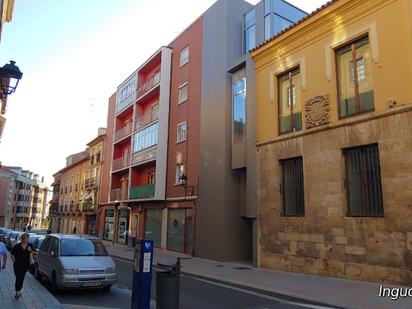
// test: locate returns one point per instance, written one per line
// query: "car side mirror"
(52, 253)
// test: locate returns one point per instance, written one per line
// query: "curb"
(280, 296)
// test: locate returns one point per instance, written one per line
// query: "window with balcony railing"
(146, 138)
(126, 94)
(149, 84)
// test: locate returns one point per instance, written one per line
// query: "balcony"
(121, 163)
(90, 183)
(144, 120)
(126, 102)
(144, 155)
(142, 191)
(123, 132)
(89, 206)
(118, 194)
(148, 85)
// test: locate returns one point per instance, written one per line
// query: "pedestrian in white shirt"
(3, 252)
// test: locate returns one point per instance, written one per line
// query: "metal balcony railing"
(149, 84)
(90, 183)
(118, 194)
(144, 120)
(123, 132)
(121, 163)
(144, 155)
(142, 191)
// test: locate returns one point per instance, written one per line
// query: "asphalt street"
(195, 293)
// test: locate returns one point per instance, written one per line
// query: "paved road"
(195, 293)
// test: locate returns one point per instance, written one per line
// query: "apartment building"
(76, 190)
(183, 170)
(334, 114)
(24, 198)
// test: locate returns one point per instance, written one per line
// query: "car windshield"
(82, 247)
(38, 243)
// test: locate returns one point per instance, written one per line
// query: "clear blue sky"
(74, 53)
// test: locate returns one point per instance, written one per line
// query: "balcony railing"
(126, 101)
(121, 163)
(123, 132)
(144, 120)
(149, 84)
(118, 194)
(142, 191)
(145, 155)
(89, 206)
(90, 183)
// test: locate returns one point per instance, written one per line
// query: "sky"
(73, 55)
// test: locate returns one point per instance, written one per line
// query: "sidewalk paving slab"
(34, 295)
(329, 291)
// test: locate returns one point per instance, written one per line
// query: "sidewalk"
(34, 295)
(291, 286)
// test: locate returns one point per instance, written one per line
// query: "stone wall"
(325, 241)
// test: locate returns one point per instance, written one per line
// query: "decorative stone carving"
(317, 111)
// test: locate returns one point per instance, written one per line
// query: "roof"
(96, 140)
(326, 5)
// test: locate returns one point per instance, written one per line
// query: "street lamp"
(183, 183)
(10, 76)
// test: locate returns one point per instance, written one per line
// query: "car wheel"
(106, 288)
(37, 274)
(55, 287)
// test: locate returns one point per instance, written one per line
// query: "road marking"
(260, 295)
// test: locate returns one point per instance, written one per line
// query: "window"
(155, 112)
(184, 56)
(279, 15)
(363, 181)
(146, 138)
(239, 111)
(181, 132)
(354, 78)
(152, 178)
(180, 170)
(290, 109)
(249, 29)
(292, 187)
(183, 93)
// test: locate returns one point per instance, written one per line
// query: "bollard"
(168, 286)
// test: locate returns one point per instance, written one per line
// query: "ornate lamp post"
(10, 76)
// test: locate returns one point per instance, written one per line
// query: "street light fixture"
(183, 183)
(10, 76)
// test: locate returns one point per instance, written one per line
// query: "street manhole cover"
(218, 265)
(242, 268)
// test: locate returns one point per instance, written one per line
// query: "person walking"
(21, 256)
(3, 254)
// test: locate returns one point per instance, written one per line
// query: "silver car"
(72, 261)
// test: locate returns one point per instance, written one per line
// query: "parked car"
(39, 231)
(7, 236)
(73, 261)
(3, 231)
(37, 242)
(13, 239)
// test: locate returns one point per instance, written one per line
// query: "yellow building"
(92, 182)
(334, 126)
(71, 191)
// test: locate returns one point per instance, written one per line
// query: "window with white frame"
(183, 93)
(181, 132)
(184, 56)
(180, 170)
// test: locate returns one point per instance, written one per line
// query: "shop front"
(108, 232)
(123, 226)
(180, 230)
(153, 225)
